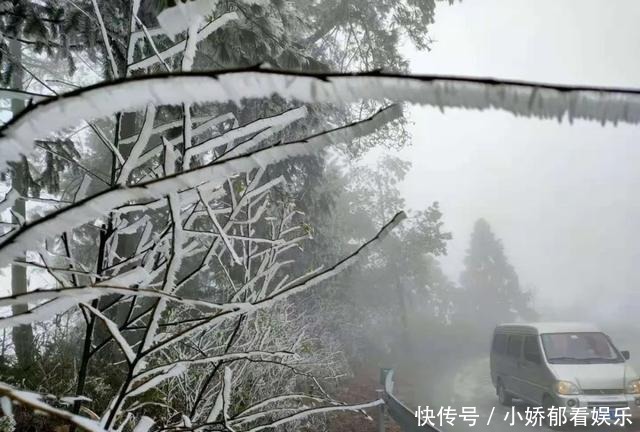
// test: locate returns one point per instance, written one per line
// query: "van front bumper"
(595, 401)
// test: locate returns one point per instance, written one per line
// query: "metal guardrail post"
(398, 411)
(381, 412)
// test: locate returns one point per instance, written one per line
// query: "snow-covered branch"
(521, 98)
(30, 235)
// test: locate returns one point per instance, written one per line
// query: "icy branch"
(33, 401)
(224, 358)
(140, 144)
(281, 295)
(30, 235)
(115, 333)
(519, 97)
(9, 199)
(312, 411)
(105, 40)
(180, 46)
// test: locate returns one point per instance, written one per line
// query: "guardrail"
(397, 410)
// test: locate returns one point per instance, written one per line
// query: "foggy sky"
(563, 198)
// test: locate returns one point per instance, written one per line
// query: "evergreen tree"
(28, 29)
(492, 291)
(402, 279)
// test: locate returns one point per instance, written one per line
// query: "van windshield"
(574, 348)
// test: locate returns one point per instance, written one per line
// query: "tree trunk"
(23, 334)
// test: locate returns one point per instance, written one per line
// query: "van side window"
(532, 349)
(499, 343)
(513, 346)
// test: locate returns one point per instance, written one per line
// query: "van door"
(512, 364)
(497, 357)
(532, 370)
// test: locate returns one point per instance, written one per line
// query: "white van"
(562, 364)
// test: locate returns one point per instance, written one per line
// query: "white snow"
(189, 53)
(105, 39)
(301, 415)
(203, 127)
(30, 236)
(290, 290)
(70, 400)
(62, 299)
(178, 18)
(229, 357)
(83, 189)
(144, 424)
(6, 406)
(9, 199)
(179, 47)
(175, 370)
(115, 332)
(140, 144)
(34, 402)
(275, 400)
(226, 392)
(519, 98)
(21, 95)
(279, 120)
(221, 232)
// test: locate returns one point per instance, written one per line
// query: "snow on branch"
(30, 235)
(279, 120)
(274, 400)
(139, 145)
(519, 97)
(220, 231)
(180, 46)
(292, 289)
(75, 295)
(21, 95)
(204, 126)
(338, 267)
(224, 358)
(115, 333)
(50, 302)
(105, 39)
(190, 212)
(10, 197)
(176, 19)
(34, 402)
(302, 414)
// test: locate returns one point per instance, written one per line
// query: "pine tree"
(491, 286)
(28, 29)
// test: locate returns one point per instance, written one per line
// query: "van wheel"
(503, 396)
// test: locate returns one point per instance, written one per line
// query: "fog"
(191, 250)
(561, 197)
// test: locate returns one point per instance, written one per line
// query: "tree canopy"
(490, 282)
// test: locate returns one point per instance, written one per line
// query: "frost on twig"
(182, 211)
(520, 98)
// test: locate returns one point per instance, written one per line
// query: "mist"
(191, 242)
(561, 196)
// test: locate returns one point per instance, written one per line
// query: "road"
(472, 388)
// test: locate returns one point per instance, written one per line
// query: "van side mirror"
(626, 354)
